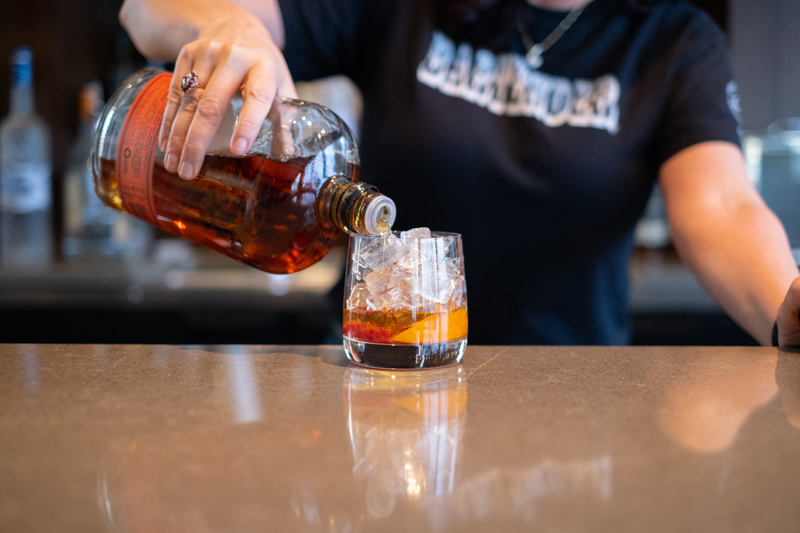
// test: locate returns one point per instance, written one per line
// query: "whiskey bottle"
(279, 208)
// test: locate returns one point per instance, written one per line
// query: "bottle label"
(25, 188)
(136, 148)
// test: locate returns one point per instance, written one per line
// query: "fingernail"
(239, 146)
(186, 171)
(170, 162)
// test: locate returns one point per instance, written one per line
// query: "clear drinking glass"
(405, 302)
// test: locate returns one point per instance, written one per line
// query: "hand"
(789, 317)
(231, 55)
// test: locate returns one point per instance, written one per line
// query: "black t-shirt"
(544, 172)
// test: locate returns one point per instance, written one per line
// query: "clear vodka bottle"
(25, 174)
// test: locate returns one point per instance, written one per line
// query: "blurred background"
(106, 278)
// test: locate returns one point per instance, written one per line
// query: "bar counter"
(141, 438)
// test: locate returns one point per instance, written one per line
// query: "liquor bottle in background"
(93, 230)
(25, 174)
(652, 230)
(279, 208)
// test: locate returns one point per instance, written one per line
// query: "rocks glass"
(405, 302)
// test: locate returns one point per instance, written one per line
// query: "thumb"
(788, 322)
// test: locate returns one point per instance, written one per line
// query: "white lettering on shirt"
(506, 85)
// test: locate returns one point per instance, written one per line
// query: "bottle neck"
(22, 100)
(22, 82)
(354, 207)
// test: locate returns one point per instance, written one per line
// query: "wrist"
(223, 16)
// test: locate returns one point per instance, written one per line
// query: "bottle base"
(404, 355)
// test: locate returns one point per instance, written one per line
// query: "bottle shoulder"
(24, 121)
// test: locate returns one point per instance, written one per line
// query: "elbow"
(126, 16)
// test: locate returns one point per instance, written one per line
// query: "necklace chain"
(535, 50)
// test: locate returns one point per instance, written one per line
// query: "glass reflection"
(30, 369)
(525, 493)
(245, 398)
(291, 464)
(100, 352)
(405, 430)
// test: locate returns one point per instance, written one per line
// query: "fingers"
(286, 85)
(788, 321)
(203, 119)
(258, 94)
(223, 69)
(181, 109)
(183, 65)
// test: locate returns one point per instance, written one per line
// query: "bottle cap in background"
(90, 102)
(22, 66)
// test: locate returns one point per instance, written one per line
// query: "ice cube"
(400, 278)
(381, 253)
(424, 254)
(453, 266)
(416, 233)
(422, 305)
(378, 280)
(416, 256)
(390, 300)
(358, 297)
(429, 270)
(458, 295)
(434, 284)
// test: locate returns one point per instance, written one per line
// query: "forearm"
(741, 257)
(732, 242)
(160, 28)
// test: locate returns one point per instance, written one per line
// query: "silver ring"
(189, 82)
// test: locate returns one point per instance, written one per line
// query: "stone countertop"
(290, 438)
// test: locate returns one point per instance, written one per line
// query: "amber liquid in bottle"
(256, 210)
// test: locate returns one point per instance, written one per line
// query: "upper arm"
(705, 176)
(700, 99)
(705, 180)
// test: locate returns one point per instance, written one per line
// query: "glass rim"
(434, 236)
